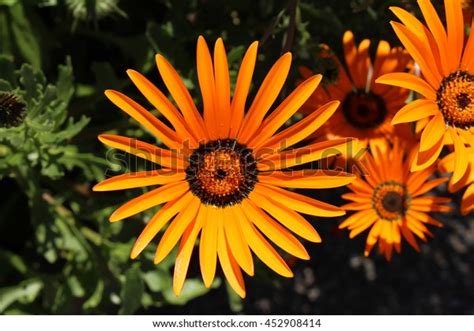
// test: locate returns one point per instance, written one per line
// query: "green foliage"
(17, 33)
(41, 142)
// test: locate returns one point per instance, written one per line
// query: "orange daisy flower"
(446, 63)
(367, 108)
(222, 175)
(392, 201)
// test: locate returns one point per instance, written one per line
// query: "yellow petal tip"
(115, 217)
(158, 259)
(159, 59)
(305, 256)
(97, 187)
(131, 72)
(207, 283)
(242, 295)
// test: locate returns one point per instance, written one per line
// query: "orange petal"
(416, 38)
(408, 235)
(145, 118)
(315, 179)
(436, 27)
(350, 53)
(140, 179)
(144, 150)
(176, 229)
(297, 156)
(368, 222)
(208, 245)
(356, 197)
(372, 237)
(266, 95)
(363, 64)
(298, 202)
(408, 81)
(455, 32)
(467, 203)
(160, 219)
(286, 109)
(237, 242)
(265, 252)
(419, 49)
(468, 58)
(382, 53)
(162, 104)
(205, 73)
(433, 132)
(274, 231)
(242, 86)
(221, 70)
(428, 186)
(185, 251)
(150, 199)
(423, 160)
(415, 110)
(461, 154)
(300, 130)
(181, 96)
(354, 219)
(290, 219)
(229, 266)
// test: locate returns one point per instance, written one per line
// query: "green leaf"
(75, 286)
(5, 86)
(235, 302)
(96, 297)
(235, 55)
(14, 260)
(73, 128)
(25, 292)
(65, 83)
(8, 2)
(33, 81)
(157, 280)
(120, 252)
(24, 36)
(192, 288)
(7, 68)
(132, 291)
(52, 171)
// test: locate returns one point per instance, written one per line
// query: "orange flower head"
(366, 108)
(444, 113)
(223, 172)
(391, 201)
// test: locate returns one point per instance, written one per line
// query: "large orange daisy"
(446, 62)
(366, 108)
(392, 201)
(222, 175)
